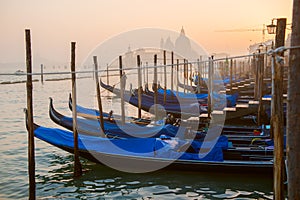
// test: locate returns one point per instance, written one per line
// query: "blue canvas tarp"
(225, 80)
(182, 94)
(127, 129)
(231, 99)
(143, 147)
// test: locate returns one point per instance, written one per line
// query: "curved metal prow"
(70, 101)
(35, 126)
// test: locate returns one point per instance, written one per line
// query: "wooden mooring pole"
(139, 87)
(147, 76)
(177, 76)
(42, 74)
(235, 72)
(144, 73)
(230, 74)
(172, 71)
(107, 75)
(184, 75)
(293, 108)
(256, 71)
(155, 88)
(199, 78)
(99, 97)
(191, 74)
(31, 158)
(243, 70)
(260, 88)
(77, 164)
(277, 114)
(122, 86)
(210, 85)
(240, 70)
(165, 77)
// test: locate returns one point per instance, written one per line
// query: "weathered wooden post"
(77, 164)
(99, 97)
(107, 75)
(226, 67)
(172, 71)
(177, 74)
(42, 73)
(165, 77)
(139, 87)
(277, 114)
(243, 73)
(235, 72)
(201, 67)
(240, 70)
(293, 108)
(201, 70)
(184, 75)
(266, 62)
(256, 70)
(260, 86)
(221, 68)
(122, 86)
(155, 88)
(230, 74)
(31, 158)
(147, 75)
(191, 74)
(210, 83)
(198, 77)
(144, 73)
(258, 75)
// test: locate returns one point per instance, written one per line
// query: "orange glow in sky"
(54, 24)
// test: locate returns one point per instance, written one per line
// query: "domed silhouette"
(169, 44)
(183, 46)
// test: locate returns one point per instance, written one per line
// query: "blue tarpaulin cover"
(231, 99)
(144, 147)
(127, 129)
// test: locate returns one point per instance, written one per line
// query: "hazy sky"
(54, 24)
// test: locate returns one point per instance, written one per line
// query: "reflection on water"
(102, 182)
(54, 168)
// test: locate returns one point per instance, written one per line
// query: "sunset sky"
(54, 24)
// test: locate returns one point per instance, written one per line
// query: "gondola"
(146, 154)
(113, 128)
(242, 91)
(92, 113)
(201, 97)
(177, 108)
(245, 90)
(192, 88)
(241, 88)
(204, 81)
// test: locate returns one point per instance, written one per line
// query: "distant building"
(169, 44)
(254, 47)
(181, 47)
(220, 55)
(267, 45)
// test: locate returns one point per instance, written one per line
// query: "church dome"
(169, 44)
(182, 44)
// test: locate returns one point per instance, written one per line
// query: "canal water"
(54, 167)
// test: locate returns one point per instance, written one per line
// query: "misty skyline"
(54, 24)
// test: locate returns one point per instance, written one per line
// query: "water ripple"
(54, 167)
